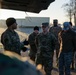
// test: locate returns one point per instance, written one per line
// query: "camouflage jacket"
(55, 30)
(32, 44)
(45, 44)
(31, 38)
(11, 41)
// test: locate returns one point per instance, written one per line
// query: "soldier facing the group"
(10, 38)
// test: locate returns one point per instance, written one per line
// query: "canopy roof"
(26, 5)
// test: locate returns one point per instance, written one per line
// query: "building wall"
(32, 21)
(28, 21)
(2, 23)
(26, 25)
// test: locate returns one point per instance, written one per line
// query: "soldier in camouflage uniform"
(55, 29)
(67, 39)
(31, 39)
(10, 38)
(45, 44)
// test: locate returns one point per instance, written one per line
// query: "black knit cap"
(36, 28)
(10, 21)
(55, 20)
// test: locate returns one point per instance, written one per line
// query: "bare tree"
(70, 8)
(73, 2)
(75, 12)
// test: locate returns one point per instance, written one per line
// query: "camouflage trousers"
(46, 62)
(65, 60)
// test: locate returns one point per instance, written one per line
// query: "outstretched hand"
(26, 42)
(24, 49)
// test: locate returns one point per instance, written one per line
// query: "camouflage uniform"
(11, 41)
(45, 44)
(55, 30)
(33, 49)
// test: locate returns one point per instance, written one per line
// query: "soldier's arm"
(30, 39)
(54, 41)
(21, 44)
(7, 41)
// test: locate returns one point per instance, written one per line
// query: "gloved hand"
(26, 42)
(24, 49)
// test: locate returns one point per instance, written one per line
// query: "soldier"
(31, 40)
(10, 38)
(45, 43)
(55, 29)
(67, 39)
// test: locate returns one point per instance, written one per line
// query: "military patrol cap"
(45, 24)
(10, 21)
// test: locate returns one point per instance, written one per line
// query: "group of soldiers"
(50, 39)
(55, 29)
(42, 44)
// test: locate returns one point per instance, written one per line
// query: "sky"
(54, 11)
